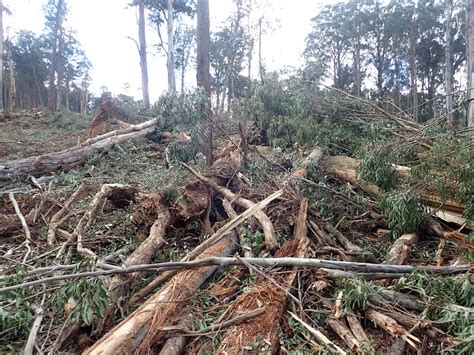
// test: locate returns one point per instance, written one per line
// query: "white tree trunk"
(470, 59)
(170, 63)
(1, 55)
(448, 80)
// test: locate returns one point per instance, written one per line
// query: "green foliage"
(181, 112)
(90, 295)
(375, 168)
(448, 169)
(182, 151)
(254, 239)
(356, 294)
(440, 290)
(403, 211)
(15, 309)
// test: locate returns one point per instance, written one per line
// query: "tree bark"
(54, 61)
(170, 61)
(203, 76)
(1, 55)
(142, 51)
(12, 78)
(413, 75)
(449, 64)
(142, 328)
(470, 59)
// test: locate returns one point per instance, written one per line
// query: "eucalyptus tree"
(329, 44)
(169, 12)
(56, 11)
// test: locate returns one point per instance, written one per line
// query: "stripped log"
(141, 329)
(142, 255)
(391, 326)
(68, 158)
(272, 292)
(400, 249)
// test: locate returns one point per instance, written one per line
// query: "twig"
(265, 262)
(225, 324)
(320, 337)
(30, 344)
(22, 219)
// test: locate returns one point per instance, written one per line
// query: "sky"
(103, 28)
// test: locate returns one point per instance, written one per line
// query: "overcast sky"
(103, 27)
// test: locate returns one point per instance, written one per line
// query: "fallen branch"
(30, 343)
(21, 217)
(320, 337)
(263, 262)
(56, 219)
(267, 226)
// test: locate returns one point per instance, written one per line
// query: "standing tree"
(170, 62)
(448, 76)
(142, 51)
(56, 11)
(184, 46)
(1, 55)
(169, 12)
(203, 76)
(470, 59)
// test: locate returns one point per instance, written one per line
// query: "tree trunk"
(170, 62)
(74, 156)
(413, 76)
(470, 60)
(142, 51)
(260, 65)
(449, 64)
(203, 76)
(54, 60)
(1, 55)
(226, 88)
(12, 79)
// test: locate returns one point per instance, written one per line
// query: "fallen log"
(68, 158)
(391, 326)
(272, 291)
(400, 249)
(233, 223)
(141, 329)
(142, 255)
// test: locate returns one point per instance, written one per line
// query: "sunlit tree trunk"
(171, 63)
(142, 51)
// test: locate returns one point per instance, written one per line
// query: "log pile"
(252, 271)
